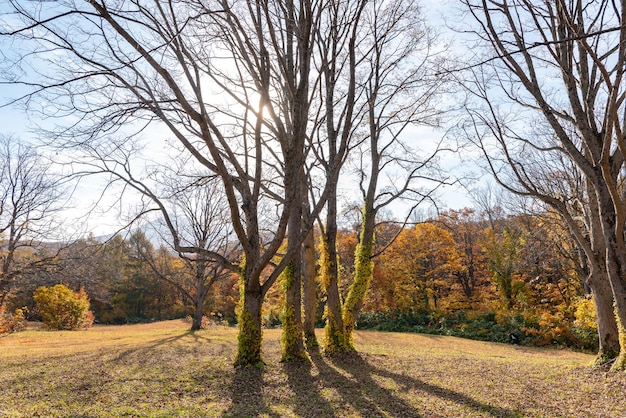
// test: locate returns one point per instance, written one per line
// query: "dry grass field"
(162, 370)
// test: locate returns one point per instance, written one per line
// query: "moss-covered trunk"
(334, 330)
(363, 272)
(292, 337)
(249, 336)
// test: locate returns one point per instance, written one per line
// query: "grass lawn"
(162, 370)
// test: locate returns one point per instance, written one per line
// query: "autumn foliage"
(462, 275)
(60, 308)
(12, 322)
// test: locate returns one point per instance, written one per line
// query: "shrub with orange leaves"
(12, 322)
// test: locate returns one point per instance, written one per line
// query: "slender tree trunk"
(292, 336)
(201, 291)
(363, 272)
(309, 289)
(309, 273)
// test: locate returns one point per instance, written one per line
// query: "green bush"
(61, 308)
(537, 329)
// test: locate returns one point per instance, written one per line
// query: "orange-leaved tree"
(417, 270)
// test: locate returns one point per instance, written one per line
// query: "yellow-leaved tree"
(417, 270)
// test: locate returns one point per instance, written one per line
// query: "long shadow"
(308, 402)
(247, 394)
(363, 393)
(158, 343)
(363, 372)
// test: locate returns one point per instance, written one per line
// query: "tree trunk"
(292, 338)
(249, 320)
(608, 344)
(363, 272)
(196, 323)
(309, 289)
(334, 332)
(599, 283)
(619, 300)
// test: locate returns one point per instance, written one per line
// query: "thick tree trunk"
(615, 266)
(599, 283)
(292, 336)
(196, 322)
(608, 340)
(619, 300)
(334, 330)
(249, 336)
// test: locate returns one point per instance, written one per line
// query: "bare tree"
(229, 81)
(243, 87)
(398, 91)
(30, 197)
(552, 89)
(197, 222)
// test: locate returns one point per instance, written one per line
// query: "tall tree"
(467, 230)
(398, 91)
(579, 47)
(229, 81)
(30, 197)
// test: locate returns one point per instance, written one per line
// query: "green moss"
(249, 340)
(334, 337)
(603, 358)
(286, 278)
(291, 349)
(249, 337)
(310, 339)
(324, 264)
(620, 361)
(363, 271)
(292, 328)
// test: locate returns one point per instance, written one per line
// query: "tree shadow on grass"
(359, 390)
(153, 345)
(309, 402)
(381, 401)
(247, 394)
(353, 377)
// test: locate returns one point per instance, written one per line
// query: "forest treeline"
(508, 279)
